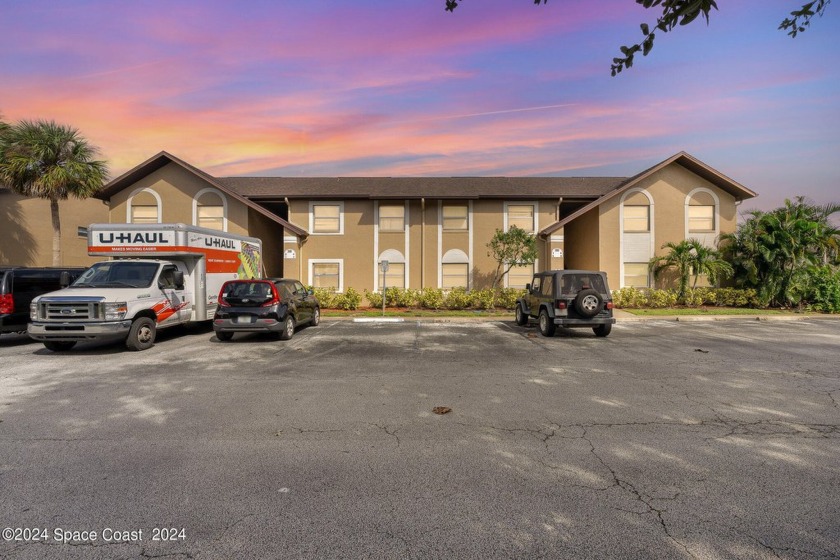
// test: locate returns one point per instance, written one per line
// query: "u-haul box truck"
(159, 275)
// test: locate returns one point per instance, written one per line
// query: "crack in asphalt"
(392, 432)
(637, 494)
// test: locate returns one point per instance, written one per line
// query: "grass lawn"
(402, 312)
(669, 311)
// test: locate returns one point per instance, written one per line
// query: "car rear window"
(247, 293)
(573, 283)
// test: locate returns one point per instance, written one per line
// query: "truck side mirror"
(179, 280)
(64, 279)
(528, 287)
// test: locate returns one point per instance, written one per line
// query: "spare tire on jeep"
(588, 302)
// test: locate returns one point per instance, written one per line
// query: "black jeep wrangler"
(569, 298)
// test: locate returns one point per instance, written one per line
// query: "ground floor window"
(636, 275)
(395, 276)
(326, 274)
(455, 275)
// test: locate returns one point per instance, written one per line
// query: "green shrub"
(457, 298)
(483, 299)
(431, 298)
(326, 297)
(400, 297)
(506, 297)
(662, 298)
(695, 297)
(350, 299)
(629, 298)
(823, 292)
(374, 298)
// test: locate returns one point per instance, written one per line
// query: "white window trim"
(651, 232)
(314, 203)
(716, 217)
(340, 262)
(470, 236)
(218, 193)
(406, 232)
(392, 256)
(533, 203)
(144, 190)
(405, 218)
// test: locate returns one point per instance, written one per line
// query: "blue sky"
(403, 88)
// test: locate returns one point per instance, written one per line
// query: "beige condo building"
(433, 231)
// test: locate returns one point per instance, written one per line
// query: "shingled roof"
(267, 188)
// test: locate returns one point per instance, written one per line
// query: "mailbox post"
(383, 267)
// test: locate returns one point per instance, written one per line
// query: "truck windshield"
(118, 274)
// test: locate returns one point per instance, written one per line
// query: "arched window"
(395, 276)
(701, 212)
(637, 225)
(455, 270)
(210, 209)
(144, 207)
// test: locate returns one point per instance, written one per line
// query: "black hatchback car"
(19, 285)
(270, 305)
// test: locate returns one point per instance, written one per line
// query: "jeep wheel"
(224, 336)
(521, 316)
(602, 330)
(141, 336)
(547, 326)
(288, 328)
(588, 302)
(59, 345)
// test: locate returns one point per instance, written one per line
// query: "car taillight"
(560, 304)
(609, 305)
(222, 301)
(7, 303)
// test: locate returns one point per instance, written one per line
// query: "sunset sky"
(403, 88)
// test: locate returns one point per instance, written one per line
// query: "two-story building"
(433, 231)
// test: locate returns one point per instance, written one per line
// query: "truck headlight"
(33, 311)
(115, 311)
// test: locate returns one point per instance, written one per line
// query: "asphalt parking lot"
(665, 440)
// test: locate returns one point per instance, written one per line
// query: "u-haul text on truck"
(159, 275)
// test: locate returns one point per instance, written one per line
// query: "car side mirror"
(64, 279)
(528, 287)
(310, 292)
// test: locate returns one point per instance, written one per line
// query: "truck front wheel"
(142, 334)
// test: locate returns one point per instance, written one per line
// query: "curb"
(628, 318)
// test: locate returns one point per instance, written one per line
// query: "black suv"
(568, 298)
(20, 285)
(274, 305)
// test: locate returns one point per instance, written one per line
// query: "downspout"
(422, 242)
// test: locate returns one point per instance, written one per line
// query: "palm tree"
(46, 160)
(680, 257)
(771, 251)
(710, 262)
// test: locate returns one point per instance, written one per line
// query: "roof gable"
(163, 159)
(737, 190)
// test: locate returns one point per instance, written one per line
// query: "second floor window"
(636, 219)
(701, 218)
(326, 218)
(455, 218)
(144, 214)
(391, 217)
(521, 216)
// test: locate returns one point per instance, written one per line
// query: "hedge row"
(723, 297)
(427, 298)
